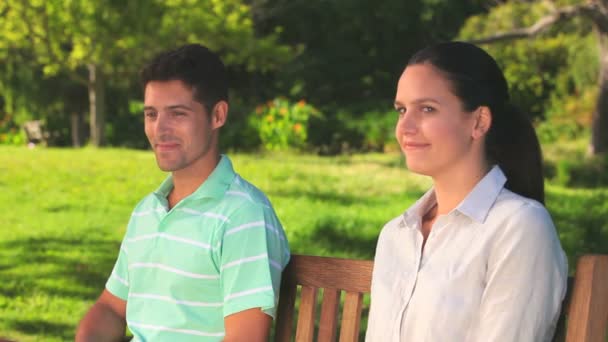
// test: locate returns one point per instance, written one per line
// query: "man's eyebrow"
(180, 106)
(176, 106)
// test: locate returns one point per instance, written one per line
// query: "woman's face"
(434, 131)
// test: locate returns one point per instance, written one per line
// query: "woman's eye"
(428, 109)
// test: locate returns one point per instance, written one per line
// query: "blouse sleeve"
(525, 281)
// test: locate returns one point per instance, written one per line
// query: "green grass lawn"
(64, 211)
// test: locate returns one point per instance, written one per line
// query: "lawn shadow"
(44, 328)
(54, 268)
(328, 235)
(87, 262)
(325, 196)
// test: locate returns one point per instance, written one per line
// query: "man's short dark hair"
(196, 66)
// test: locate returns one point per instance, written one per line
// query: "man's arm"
(105, 321)
(250, 325)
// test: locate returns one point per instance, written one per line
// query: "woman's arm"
(525, 282)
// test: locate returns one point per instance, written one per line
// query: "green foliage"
(545, 72)
(71, 35)
(377, 128)
(568, 164)
(587, 172)
(282, 124)
(60, 40)
(355, 49)
(12, 136)
(568, 117)
(348, 131)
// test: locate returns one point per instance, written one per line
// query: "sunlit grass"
(64, 211)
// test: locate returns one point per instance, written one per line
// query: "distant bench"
(33, 131)
(585, 308)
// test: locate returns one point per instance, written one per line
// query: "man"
(203, 255)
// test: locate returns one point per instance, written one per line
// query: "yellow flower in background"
(282, 124)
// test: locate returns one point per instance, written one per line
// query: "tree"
(95, 42)
(353, 54)
(595, 12)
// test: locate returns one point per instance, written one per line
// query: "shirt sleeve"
(525, 281)
(118, 282)
(254, 253)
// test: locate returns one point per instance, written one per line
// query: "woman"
(477, 257)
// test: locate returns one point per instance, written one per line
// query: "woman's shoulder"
(510, 202)
(515, 211)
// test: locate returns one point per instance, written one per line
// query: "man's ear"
(219, 114)
(482, 123)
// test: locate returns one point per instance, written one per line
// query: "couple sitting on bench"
(477, 258)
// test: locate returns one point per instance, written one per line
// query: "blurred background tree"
(100, 45)
(62, 59)
(563, 67)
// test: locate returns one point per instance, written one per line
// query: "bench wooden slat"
(286, 312)
(328, 324)
(306, 318)
(588, 309)
(351, 317)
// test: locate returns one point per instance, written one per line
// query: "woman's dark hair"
(196, 66)
(511, 141)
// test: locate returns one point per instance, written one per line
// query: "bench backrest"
(33, 131)
(585, 308)
(332, 275)
(587, 305)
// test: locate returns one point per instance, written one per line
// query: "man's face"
(179, 129)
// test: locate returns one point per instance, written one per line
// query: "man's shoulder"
(243, 193)
(147, 204)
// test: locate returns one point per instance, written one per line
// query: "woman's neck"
(452, 187)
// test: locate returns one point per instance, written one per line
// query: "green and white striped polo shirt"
(219, 251)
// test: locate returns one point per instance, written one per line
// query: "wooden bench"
(33, 131)
(585, 309)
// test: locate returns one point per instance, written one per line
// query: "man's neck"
(187, 180)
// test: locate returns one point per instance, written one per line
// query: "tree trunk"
(599, 125)
(76, 125)
(96, 105)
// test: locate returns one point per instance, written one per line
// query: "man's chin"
(167, 167)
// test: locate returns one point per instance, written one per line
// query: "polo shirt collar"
(215, 186)
(476, 205)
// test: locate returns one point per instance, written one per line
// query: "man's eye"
(428, 109)
(149, 114)
(401, 111)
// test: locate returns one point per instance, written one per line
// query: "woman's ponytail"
(513, 145)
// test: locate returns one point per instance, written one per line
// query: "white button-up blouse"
(492, 270)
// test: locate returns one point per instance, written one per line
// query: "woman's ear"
(219, 114)
(482, 123)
